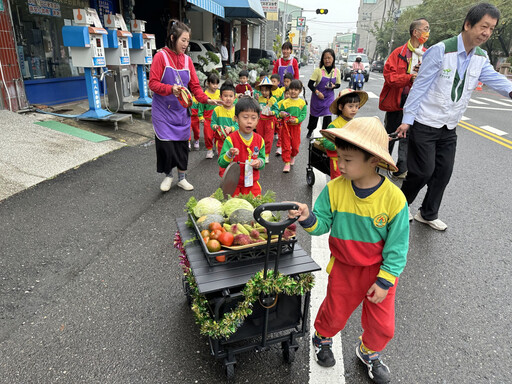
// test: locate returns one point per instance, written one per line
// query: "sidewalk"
(31, 153)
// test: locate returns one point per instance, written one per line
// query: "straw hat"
(367, 133)
(266, 81)
(363, 96)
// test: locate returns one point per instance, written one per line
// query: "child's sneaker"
(286, 168)
(276, 137)
(323, 350)
(292, 161)
(279, 151)
(209, 154)
(377, 370)
(196, 145)
(267, 159)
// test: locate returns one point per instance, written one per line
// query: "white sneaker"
(437, 224)
(292, 161)
(410, 214)
(267, 159)
(196, 145)
(209, 154)
(279, 151)
(185, 185)
(166, 184)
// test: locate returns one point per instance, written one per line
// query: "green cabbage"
(208, 206)
(235, 203)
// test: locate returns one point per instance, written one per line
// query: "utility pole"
(396, 15)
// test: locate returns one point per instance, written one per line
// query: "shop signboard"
(269, 5)
(45, 8)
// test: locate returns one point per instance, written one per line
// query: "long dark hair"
(328, 50)
(175, 29)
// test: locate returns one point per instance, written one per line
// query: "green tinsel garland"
(234, 319)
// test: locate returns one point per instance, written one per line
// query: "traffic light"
(322, 11)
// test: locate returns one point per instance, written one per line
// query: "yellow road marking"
(488, 135)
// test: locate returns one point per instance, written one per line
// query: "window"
(193, 47)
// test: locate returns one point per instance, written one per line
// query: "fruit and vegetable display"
(229, 223)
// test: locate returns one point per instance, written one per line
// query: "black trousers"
(430, 162)
(391, 121)
(313, 121)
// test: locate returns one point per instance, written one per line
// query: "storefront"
(45, 63)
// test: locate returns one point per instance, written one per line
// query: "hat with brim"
(363, 97)
(367, 133)
(266, 81)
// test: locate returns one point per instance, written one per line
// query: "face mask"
(424, 37)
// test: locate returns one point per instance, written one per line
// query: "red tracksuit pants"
(265, 129)
(208, 131)
(290, 141)
(346, 289)
(194, 126)
(241, 190)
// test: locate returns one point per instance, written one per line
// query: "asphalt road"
(91, 288)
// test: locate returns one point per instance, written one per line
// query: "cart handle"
(275, 228)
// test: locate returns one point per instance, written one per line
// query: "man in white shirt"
(224, 56)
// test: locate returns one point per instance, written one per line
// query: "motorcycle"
(357, 80)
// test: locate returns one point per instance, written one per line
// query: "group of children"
(281, 113)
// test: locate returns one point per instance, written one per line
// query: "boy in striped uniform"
(293, 111)
(269, 109)
(245, 147)
(223, 116)
(367, 217)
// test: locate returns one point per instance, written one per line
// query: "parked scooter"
(357, 80)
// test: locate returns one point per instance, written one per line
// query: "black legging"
(313, 121)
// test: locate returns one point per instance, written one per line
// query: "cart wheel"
(288, 353)
(310, 177)
(230, 372)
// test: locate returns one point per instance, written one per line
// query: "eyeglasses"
(426, 29)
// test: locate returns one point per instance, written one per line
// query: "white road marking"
(496, 131)
(372, 95)
(494, 101)
(477, 101)
(321, 254)
(464, 118)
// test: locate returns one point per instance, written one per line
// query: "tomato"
(220, 259)
(215, 234)
(226, 238)
(213, 226)
(206, 239)
(213, 246)
(205, 233)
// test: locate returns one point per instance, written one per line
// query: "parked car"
(255, 54)
(346, 66)
(198, 48)
(377, 66)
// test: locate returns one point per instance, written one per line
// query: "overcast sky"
(342, 17)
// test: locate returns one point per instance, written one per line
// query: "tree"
(277, 46)
(446, 20)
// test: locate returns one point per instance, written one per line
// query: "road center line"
(477, 101)
(494, 101)
(496, 131)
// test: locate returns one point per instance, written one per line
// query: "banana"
(242, 229)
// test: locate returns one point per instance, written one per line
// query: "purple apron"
(284, 69)
(171, 121)
(321, 107)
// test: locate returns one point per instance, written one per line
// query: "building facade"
(37, 68)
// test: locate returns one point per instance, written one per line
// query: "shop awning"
(242, 8)
(209, 6)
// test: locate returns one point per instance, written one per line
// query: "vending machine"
(87, 40)
(141, 53)
(117, 54)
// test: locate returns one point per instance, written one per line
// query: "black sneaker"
(377, 370)
(309, 134)
(323, 350)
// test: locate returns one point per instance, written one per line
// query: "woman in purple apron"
(172, 69)
(322, 84)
